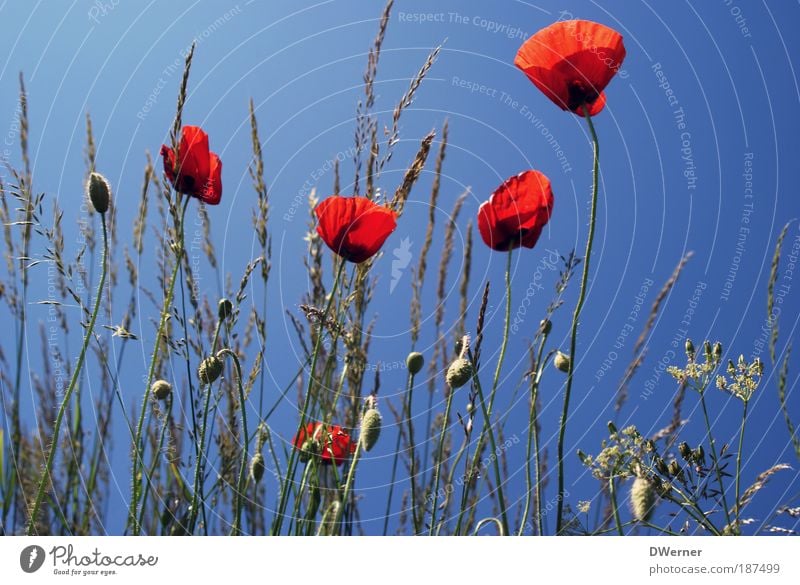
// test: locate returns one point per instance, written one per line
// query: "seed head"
(210, 369)
(257, 467)
(643, 499)
(161, 389)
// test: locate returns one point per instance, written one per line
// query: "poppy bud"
(161, 389)
(414, 362)
(210, 369)
(643, 499)
(459, 373)
(612, 428)
(310, 447)
(562, 361)
(545, 326)
(690, 350)
(99, 192)
(685, 450)
(257, 467)
(370, 428)
(699, 455)
(224, 309)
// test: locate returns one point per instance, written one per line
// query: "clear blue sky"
(666, 189)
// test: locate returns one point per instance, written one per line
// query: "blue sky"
(698, 147)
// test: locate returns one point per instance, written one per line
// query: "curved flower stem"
(575, 318)
(412, 457)
(533, 438)
(138, 447)
(48, 466)
(612, 492)
(291, 467)
(236, 529)
(713, 444)
(736, 504)
(156, 458)
(438, 468)
(497, 522)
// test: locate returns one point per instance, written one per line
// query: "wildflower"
(572, 62)
(195, 170)
(99, 192)
(331, 442)
(210, 369)
(355, 228)
(562, 361)
(370, 428)
(414, 362)
(161, 389)
(516, 212)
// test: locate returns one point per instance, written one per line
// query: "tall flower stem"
(713, 444)
(291, 467)
(533, 441)
(575, 318)
(200, 442)
(156, 458)
(236, 529)
(48, 466)
(495, 458)
(348, 486)
(612, 491)
(412, 456)
(739, 465)
(138, 447)
(438, 468)
(498, 368)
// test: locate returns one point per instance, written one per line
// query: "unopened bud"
(459, 373)
(414, 362)
(370, 428)
(685, 450)
(562, 361)
(717, 351)
(257, 467)
(545, 326)
(161, 389)
(99, 192)
(210, 369)
(689, 349)
(643, 499)
(224, 309)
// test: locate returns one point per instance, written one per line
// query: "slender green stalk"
(739, 466)
(45, 477)
(236, 529)
(438, 467)
(138, 447)
(533, 438)
(156, 458)
(347, 488)
(713, 444)
(412, 456)
(575, 318)
(495, 458)
(291, 467)
(395, 459)
(198, 500)
(612, 492)
(498, 368)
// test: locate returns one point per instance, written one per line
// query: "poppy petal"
(212, 190)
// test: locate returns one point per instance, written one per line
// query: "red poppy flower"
(334, 445)
(516, 212)
(199, 171)
(572, 62)
(354, 227)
